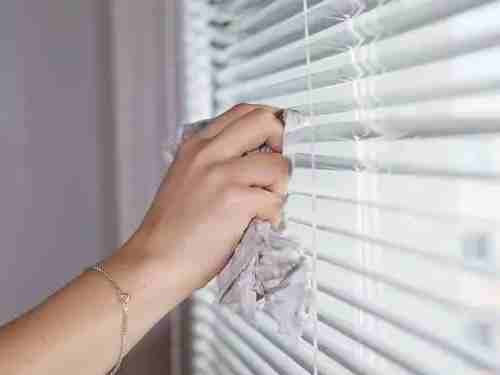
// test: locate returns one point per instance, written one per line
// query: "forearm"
(77, 330)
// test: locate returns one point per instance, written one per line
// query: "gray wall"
(56, 152)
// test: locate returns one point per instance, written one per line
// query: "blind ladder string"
(314, 249)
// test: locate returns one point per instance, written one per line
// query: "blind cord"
(314, 304)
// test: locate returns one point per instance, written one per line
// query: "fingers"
(252, 130)
(265, 205)
(260, 182)
(267, 170)
(228, 117)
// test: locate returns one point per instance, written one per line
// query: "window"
(395, 188)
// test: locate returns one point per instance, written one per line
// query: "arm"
(212, 191)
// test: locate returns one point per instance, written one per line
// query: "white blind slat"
(458, 115)
(292, 28)
(478, 360)
(275, 360)
(270, 15)
(462, 75)
(466, 156)
(464, 32)
(395, 17)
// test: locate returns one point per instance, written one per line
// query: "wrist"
(150, 274)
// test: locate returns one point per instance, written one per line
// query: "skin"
(216, 178)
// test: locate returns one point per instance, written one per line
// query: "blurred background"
(76, 175)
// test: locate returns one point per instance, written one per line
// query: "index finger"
(234, 114)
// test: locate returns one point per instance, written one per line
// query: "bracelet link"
(124, 299)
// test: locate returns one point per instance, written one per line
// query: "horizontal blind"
(395, 189)
(195, 62)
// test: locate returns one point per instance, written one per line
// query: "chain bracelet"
(124, 299)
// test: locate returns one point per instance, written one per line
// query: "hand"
(214, 188)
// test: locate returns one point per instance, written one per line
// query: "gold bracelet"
(124, 299)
